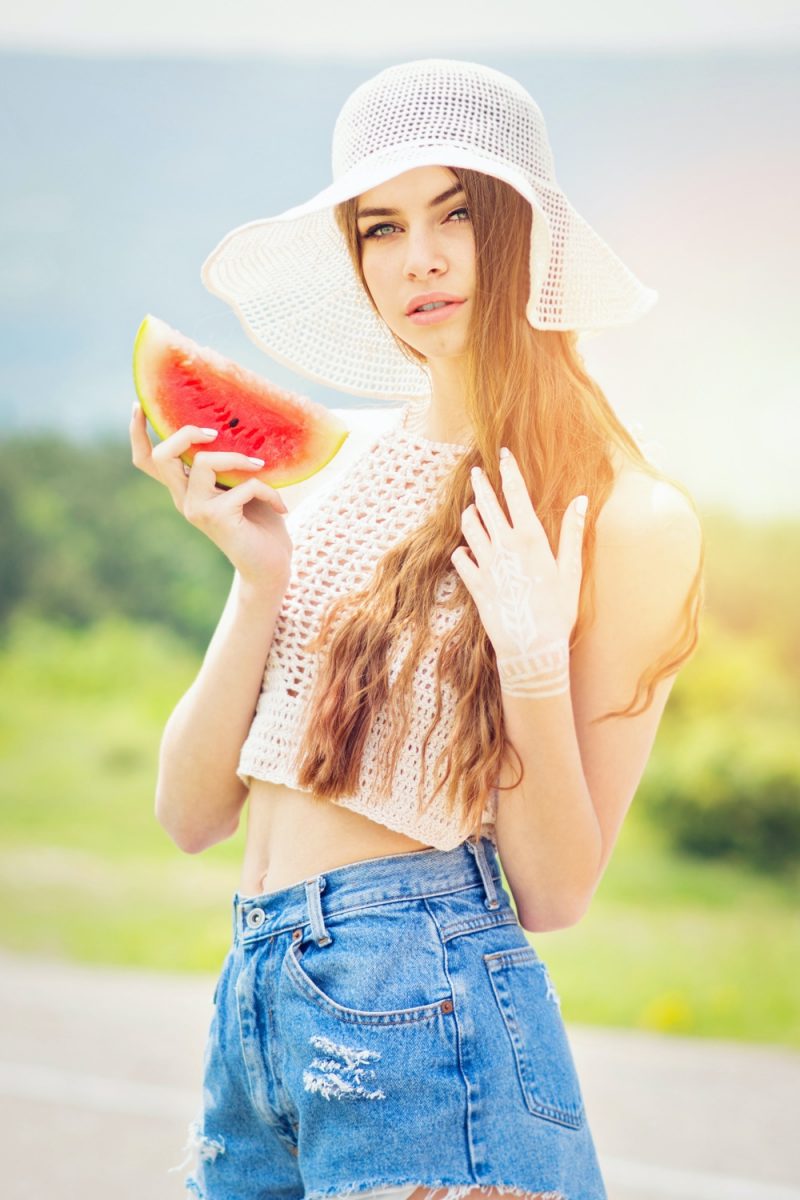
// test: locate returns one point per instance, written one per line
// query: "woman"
(464, 665)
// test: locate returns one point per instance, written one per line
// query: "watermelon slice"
(181, 383)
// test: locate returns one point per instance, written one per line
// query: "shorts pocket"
(531, 1013)
(383, 966)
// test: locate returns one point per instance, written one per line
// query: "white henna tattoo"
(540, 673)
(515, 596)
(536, 669)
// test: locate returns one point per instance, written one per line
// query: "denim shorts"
(383, 1026)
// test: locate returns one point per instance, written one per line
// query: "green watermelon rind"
(225, 479)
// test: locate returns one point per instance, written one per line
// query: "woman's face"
(422, 245)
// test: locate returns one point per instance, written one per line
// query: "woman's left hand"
(525, 597)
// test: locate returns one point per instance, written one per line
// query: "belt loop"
(314, 886)
(477, 847)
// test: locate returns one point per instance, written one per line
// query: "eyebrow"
(392, 212)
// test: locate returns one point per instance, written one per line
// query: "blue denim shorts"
(384, 1026)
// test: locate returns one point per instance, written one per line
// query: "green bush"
(85, 535)
(733, 791)
(723, 780)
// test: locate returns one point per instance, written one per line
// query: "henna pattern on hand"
(538, 668)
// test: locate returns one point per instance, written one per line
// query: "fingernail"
(135, 407)
(210, 432)
(504, 452)
(581, 504)
(258, 462)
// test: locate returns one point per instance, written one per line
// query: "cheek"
(382, 289)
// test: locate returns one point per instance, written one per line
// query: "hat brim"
(290, 280)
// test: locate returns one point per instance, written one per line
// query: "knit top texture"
(338, 539)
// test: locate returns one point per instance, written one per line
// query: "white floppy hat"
(290, 280)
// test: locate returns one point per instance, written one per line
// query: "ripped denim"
(387, 1026)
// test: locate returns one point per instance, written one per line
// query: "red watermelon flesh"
(181, 383)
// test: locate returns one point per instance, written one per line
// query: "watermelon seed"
(233, 422)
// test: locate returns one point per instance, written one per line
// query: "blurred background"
(132, 139)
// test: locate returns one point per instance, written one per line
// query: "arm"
(198, 795)
(556, 831)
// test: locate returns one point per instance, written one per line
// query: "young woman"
(441, 661)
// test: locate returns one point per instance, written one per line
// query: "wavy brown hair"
(526, 389)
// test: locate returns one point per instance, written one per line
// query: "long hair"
(526, 389)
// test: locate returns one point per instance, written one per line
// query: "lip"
(429, 297)
(436, 315)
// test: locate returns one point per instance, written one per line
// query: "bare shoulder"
(643, 511)
(648, 550)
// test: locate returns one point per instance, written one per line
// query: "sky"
(141, 134)
(356, 28)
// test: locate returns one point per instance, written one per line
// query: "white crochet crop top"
(338, 537)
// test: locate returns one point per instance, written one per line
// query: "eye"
(373, 231)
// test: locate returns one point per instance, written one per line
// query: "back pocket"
(531, 1012)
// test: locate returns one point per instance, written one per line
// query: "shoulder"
(648, 549)
(647, 515)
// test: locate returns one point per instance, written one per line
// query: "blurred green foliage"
(85, 534)
(723, 780)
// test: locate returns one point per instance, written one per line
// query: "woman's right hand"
(244, 521)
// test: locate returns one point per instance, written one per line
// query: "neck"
(445, 418)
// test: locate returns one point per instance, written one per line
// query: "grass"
(86, 873)
(672, 944)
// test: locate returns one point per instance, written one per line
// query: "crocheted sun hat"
(290, 280)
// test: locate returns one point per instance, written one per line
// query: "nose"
(423, 256)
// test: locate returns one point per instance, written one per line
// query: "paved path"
(100, 1076)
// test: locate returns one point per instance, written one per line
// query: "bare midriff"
(291, 836)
